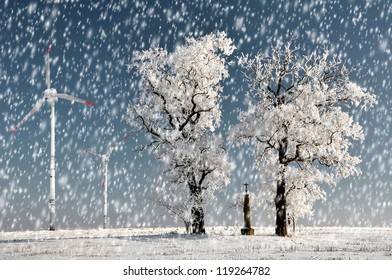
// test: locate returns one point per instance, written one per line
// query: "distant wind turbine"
(105, 162)
(51, 96)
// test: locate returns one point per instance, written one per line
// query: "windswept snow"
(220, 243)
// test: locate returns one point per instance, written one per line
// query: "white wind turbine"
(51, 97)
(105, 162)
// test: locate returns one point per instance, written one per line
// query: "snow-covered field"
(220, 243)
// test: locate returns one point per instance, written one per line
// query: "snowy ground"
(220, 243)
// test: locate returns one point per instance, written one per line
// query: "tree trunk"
(187, 226)
(198, 220)
(197, 212)
(293, 224)
(280, 199)
(280, 204)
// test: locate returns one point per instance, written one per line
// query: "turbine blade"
(91, 153)
(47, 68)
(123, 140)
(118, 144)
(74, 99)
(35, 109)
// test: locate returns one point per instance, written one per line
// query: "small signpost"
(247, 229)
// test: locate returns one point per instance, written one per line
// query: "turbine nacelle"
(105, 158)
(51, 95)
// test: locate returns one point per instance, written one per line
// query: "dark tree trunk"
(280, 204)
(198, 220)
(280, 199)
(293, 224)
(187, 226)
(197, 212)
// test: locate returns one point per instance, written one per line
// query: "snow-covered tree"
(297, 118)
(179, 107)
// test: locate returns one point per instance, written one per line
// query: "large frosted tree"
(179, 107)
(298, 119)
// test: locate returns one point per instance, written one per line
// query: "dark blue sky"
(92, 46)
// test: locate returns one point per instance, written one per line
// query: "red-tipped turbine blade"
(91, 153)
(125, 138)
(25, 118)
(12, 131)
(118, 144)
(74, 99)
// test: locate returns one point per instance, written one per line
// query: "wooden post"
(247, 229)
